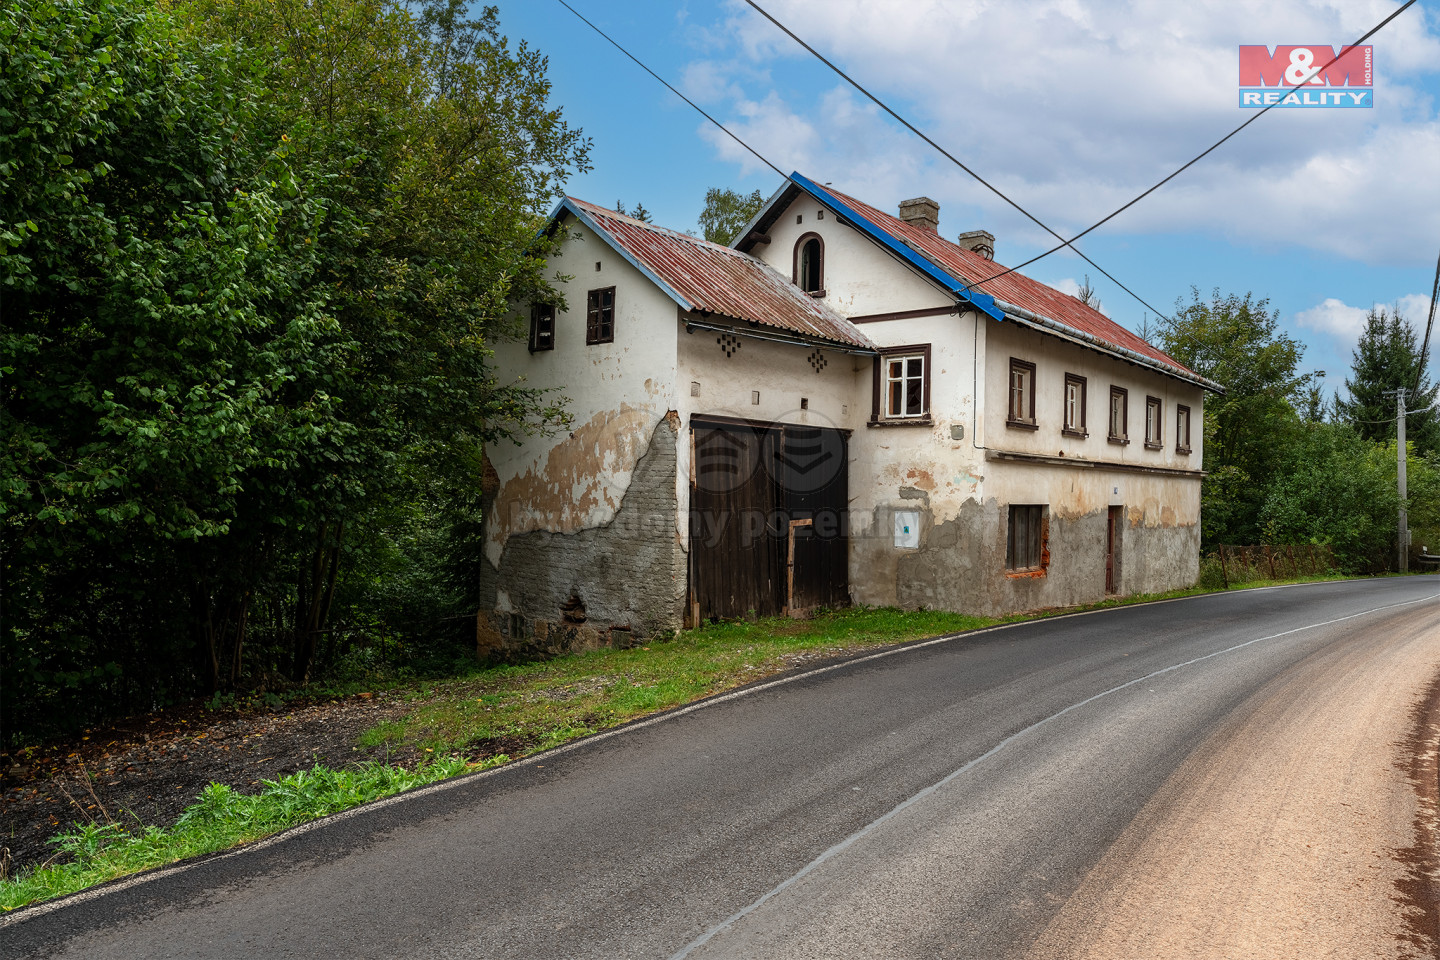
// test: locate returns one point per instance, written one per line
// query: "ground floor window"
(1025, 547)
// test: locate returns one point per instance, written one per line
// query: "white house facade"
(827, 412)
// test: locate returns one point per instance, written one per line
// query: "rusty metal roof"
(1014, 289)
(704, 277)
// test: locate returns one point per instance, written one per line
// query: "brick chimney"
(921, 212)
(980, 241)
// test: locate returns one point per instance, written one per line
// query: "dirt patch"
(147, 770)
(1419, 889)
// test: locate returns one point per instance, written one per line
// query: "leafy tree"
(249, 293)
(1236, 342)
(726, 211)
(1387, 357)
(159, 275)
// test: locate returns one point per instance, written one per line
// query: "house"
(827, 412)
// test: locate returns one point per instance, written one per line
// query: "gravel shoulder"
(1303, 829)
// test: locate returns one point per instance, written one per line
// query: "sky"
(1070, 107)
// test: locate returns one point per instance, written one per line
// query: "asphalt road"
(985, 796)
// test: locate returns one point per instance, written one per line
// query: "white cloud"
(1068, 285)
(1335, 318)
(1345, 322)
(1074, 106)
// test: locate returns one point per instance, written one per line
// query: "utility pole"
(1403, 547)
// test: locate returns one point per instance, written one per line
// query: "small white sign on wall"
(907, 528)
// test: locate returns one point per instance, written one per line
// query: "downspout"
(975, 383)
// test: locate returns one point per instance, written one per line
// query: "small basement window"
(902, 385)
(1026, 549)
(810, 264)
(600, 316)
(1074, 406)
(1154, 429)
(1022, 394)
(1119, 415)
(542, 327)
(1182, 428)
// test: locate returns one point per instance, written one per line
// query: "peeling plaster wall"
(959, 494)
(618, 392)
(575, 512)
(628, 574)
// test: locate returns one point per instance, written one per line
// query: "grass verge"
(491, 716)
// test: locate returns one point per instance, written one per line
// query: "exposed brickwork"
(629, 573)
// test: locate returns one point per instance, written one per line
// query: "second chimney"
(980, 241)
(921, 212)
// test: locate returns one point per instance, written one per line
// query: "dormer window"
(810, 264)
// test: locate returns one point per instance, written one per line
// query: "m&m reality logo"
(1298, 76)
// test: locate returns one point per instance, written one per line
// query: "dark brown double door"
(768, 520)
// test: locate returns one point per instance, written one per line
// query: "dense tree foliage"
(1277, 471)
(726, 211)
(252, 255)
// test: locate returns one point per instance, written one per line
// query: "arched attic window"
(810, 264)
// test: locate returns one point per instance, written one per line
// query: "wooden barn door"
(767, 519)
(811, 470)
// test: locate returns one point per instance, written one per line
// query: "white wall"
(860, 278)
(618, 393)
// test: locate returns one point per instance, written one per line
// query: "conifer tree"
(1386, 358)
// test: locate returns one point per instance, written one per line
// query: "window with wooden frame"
(1022, 394)
(902, 385)
(1119, 415)
(810, 264)
(1026, 547)
(1074, 422)
(1154, 428)
(600, 316)
(542, 327)
(1182, 428)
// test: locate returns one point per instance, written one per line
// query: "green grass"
(221, 819)
(503, 713)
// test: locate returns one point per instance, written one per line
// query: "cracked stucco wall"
(628, 574)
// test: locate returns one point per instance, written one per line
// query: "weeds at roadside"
(220, 819)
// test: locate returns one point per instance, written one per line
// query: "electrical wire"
(949, 156)
(724, 129)
(1119, 210)
(1429, 324)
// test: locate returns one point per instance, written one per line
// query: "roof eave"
(599, 230)
(1028, 318)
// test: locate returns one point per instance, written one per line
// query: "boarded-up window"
(1022, 393)
(1025, 539)
(1074, 405)
(1182, 428)
(600, 316)
(542, 327)
(1119, 415)
(1154, 411)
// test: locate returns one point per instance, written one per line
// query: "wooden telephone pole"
(1403, 542)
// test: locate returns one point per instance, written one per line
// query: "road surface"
(1240, 775)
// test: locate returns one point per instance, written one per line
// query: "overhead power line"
(949, 156)
(1190, 163)
(1429, 324)
(723, 129)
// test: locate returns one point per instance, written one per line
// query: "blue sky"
(1071, 107)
